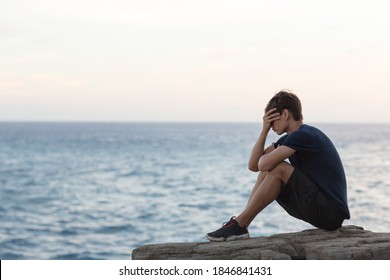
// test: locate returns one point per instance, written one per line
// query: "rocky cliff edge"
(346, 243)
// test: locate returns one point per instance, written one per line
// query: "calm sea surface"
(98, 190)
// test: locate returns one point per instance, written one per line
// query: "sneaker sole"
(230, 238)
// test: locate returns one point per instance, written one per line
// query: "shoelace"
(226, 223)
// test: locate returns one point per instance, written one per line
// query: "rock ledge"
(346, 243)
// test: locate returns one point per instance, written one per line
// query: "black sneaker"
(230, 231)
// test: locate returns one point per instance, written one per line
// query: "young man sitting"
(312, 187)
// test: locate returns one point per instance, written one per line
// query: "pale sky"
(203, 60)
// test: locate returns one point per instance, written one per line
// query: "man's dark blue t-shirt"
(317, 157)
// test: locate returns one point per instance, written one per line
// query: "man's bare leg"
(266, 190)
(259, 180)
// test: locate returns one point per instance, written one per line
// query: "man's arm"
(257, 152)
(258, 149)
(275, 156)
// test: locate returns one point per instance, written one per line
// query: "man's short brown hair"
(286, 100)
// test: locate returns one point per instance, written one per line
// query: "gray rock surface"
(346, 243)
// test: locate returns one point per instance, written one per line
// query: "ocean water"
(99, 190)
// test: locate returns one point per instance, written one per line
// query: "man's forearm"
(257, 152)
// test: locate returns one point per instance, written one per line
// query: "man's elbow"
(253, 167)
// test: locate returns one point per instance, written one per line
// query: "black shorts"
(303, 199)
